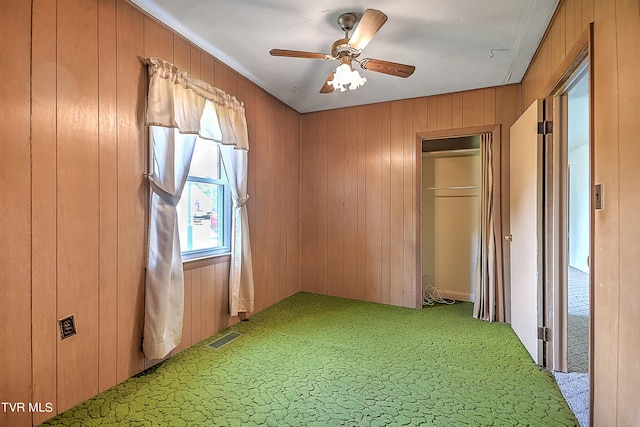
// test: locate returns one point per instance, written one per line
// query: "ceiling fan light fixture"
(346, 77)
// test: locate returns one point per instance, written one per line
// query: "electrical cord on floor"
(431, 294)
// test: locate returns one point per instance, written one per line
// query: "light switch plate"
(598, 195)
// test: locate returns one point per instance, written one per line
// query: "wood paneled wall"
(74, 150)
(615, 156)
(15, 226)
(360, 196)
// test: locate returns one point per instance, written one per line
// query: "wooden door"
(525, 226)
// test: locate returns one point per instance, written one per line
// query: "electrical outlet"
(67, 327)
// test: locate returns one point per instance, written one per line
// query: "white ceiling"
(455, 45)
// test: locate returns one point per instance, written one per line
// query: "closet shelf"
(461, 187)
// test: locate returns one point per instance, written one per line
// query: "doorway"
(450, 206)
(578, 220)
(570, 202)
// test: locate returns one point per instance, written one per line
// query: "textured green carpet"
(313, 360)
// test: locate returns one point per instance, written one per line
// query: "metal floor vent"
(224, 340)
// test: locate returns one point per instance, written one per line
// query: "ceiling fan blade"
(370, 23)
(386, 67)
(298, 54)
(327, 88)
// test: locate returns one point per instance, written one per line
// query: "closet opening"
(451, 182)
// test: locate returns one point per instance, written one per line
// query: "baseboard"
(458, 296)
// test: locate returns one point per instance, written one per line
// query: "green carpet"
(314, 360)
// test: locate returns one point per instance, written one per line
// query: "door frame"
(555, 188)
(495, 130)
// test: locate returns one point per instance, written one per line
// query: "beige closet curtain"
(489, 287)
(179, 110)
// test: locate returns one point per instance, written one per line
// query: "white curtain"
(164, 293)
(178, 110)
(240, 274)
(489, 293)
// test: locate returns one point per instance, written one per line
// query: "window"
(204, 210)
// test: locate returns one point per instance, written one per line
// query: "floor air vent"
(224, 340)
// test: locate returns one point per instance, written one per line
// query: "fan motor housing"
(342, 47)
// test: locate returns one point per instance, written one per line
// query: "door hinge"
(545, 127)
(544, 333)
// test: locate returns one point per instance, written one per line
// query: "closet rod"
(462, 187)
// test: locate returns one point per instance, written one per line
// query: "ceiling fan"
(348, 49)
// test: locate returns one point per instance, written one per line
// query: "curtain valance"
(193, 106)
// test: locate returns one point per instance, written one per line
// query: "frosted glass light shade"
(346, 78)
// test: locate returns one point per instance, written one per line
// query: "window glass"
(205, 162)
(204, 207)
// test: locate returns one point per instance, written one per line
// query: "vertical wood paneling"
(208, 74)
(15, 227)
(373, 222)
(473, 108)
(222, 294)
(570, 33)
(182, 54)
(362, 203)
(219, 74)
(443, 120)
(108, 220)
(385, 208)
(311, 281)
(587, 13)
(432, 113)
(158, 40)
(196, 306)
(230, 81)
(528, 89)
(577, 18)
(268, 210)
(272, 212)
(489, 113)
(410, 209)
(221, 317)
(43, 196)
(350, 213)
(186, 319)
(259, 243)
(456, 110)
(628, 36)
(335, 201)
(132, 190)
(77, 198)
(292, 231)
(208, 302)
(194, 65)
(396, 220)
(321, 205)
(558, 45)
(306, 203)
(606, 243)
(279, 151)
(421, 107)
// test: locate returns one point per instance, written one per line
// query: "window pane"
(205, 162)
(200, 216)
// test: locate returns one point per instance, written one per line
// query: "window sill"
(205, 261)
